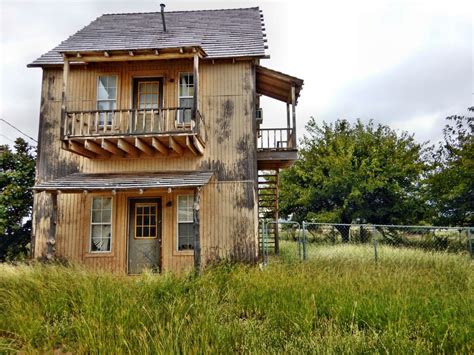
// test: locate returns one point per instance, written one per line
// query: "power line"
(34, 140)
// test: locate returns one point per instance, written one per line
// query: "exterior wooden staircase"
(268, 207)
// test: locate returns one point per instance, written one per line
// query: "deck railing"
(276, 139)
(125, 122)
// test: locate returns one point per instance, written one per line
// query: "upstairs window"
(101, 225)
(106, 97)
(185, 222)
(185, 97)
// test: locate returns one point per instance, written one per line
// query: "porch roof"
(127, 181)
(277, 85)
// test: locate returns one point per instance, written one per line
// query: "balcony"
(276, 148)
(132, 133)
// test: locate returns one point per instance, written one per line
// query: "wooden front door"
(144, 235)
(147, 95)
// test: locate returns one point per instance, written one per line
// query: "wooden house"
(151, 141)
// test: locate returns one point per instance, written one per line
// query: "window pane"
(153, 232)
(185, 236)
(107, 203)
(97, 231)
(106, 216)
(112, 81)
(96, 216)
(105, 105)
(96, 203)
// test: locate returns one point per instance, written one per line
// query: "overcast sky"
(408, 64)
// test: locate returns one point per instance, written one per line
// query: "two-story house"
(151, 140)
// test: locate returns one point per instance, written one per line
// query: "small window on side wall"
(101, 225)
(185, 222)
(185, 97)
(106, 97)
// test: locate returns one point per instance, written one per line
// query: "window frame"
(178, 222)
(91, 224)
(108, 122)
(180, 114)
(146, 204)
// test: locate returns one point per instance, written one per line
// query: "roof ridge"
(177, 11)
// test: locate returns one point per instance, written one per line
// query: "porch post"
(64, 96)
(196, 85)
(196, 226)
(288, 123)
(51, 242)
(293, 108)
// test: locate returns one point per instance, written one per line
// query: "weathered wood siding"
(229, 202)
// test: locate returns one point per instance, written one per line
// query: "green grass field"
(339, 301)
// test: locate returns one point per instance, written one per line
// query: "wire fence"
(310, 237)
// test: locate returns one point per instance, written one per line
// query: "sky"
(407, 64)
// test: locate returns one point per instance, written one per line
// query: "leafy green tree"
(451, 186)
(17, 174)
(355, 173)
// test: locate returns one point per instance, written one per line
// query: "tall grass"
(339, 301)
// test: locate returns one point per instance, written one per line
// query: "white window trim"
(178, 222)
(95, 224)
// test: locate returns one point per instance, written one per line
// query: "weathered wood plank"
(159, 146)
(128, 148)
(145, 148)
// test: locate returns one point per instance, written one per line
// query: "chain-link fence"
(308, 240)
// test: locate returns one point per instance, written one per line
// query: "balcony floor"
(270, 159)
(135, 146)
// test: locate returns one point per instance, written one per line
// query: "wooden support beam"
(175, 146)
(159, 146)
(127, 147)
(79, 149)
(64, 96)
(293, 108)
(190, 146)
(126, 57)
(130, 53)
(198, 145)
(111, 148)
(53, 221)
(106, 54)
(145, 148)
(196, 229)
(288, 116)
(196, 86)
(157, 52)
(277, 212)
(95, 148)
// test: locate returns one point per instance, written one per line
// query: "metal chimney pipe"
(163, 16)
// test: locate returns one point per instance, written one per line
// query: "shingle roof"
(101, 182)
(220, 33)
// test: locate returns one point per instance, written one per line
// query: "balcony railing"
(276, 139)
(132, 122)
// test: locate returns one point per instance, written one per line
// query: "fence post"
(471, 251)
(376, 244)
(305, 255)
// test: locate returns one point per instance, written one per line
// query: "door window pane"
(145, 220)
